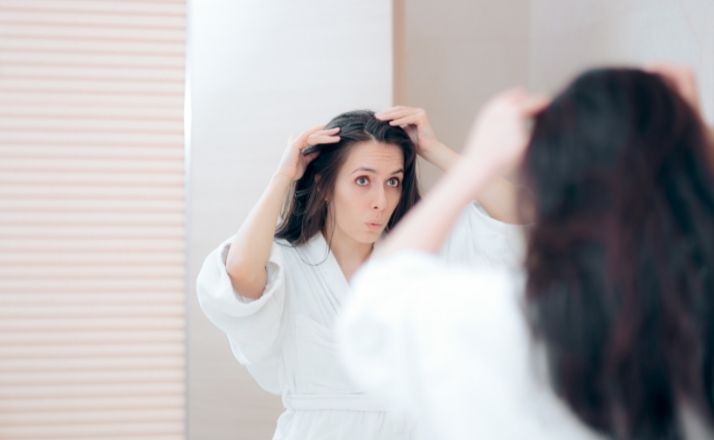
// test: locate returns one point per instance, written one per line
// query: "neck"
(350, 254)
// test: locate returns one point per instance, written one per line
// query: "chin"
(369, 237)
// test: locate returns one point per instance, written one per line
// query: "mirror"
(260, 73)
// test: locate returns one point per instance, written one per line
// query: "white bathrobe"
(286, 338)
(449, 345)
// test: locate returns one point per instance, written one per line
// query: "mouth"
(374, 226)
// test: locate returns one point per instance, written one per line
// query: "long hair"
(307, 209)
(620, 280)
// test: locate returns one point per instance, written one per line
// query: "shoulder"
(430, 275)
(435, 299)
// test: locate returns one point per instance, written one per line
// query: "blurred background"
(136, 135)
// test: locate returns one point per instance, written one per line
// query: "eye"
(394, 182)
(362, 181)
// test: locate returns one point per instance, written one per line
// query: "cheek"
(394, 196)
(356, 195)
(348, 197)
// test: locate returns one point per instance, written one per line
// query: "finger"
(667, 68)
(534, 104)
(407, 120)
(325, 133)
(682, 78)
(405, 113)
(402, 110)
(506, 97)
(301, 138)
(681, 75)
(396, 112)
(329, 132)
(410, 118)
(513, 94)
(391, 109)
(314, 140)
(310, 156)
(314, 129)
(323, 140)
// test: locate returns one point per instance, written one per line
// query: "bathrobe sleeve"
(254, 328)
(480, 240)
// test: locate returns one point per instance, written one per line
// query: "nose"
(379, 202)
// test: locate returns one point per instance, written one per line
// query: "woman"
(608, 331)
(275, 291)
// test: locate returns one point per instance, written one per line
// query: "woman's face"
(367, 190)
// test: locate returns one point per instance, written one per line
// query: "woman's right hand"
(293, 163)
(501, 131)
(684, 81)
(682, 78)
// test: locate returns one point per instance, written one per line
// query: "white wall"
(261, 71)
(567, 36)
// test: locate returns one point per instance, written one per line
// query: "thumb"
(534, 104)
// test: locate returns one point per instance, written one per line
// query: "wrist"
(432, 149)
(281, 179)
(441, 156)
(466, 181)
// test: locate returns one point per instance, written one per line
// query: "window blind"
(92, 265)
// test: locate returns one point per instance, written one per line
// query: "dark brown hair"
(620, 260)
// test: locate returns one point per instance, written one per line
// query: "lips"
(374, 225)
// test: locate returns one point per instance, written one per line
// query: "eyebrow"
(372, 170)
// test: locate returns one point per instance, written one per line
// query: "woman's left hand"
(501, 131)
(416, 123)
(682, 78)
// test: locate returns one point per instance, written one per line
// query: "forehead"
(373, 154)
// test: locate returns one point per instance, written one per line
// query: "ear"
(317, 180)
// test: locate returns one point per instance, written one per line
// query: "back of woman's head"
(307, 209)
(620, 260)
